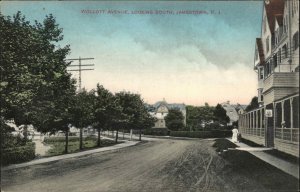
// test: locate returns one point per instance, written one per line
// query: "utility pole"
(79, 85)
(80, 68)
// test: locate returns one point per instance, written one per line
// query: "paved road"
(154, 166)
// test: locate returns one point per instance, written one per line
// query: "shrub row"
(157, 131)
(18, 154)
(202, 134)
(63, 139)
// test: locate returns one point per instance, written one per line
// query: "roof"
(279, 18)
(260, 50)
(273, 8)
(230, 111)
(239, 106)
(169, 106)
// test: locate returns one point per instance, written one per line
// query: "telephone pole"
(80, 68)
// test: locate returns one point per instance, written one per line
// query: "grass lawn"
(253, 171)
(58, 147)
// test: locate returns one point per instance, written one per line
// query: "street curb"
(68, 156)
(170, 137)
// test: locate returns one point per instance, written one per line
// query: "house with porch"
(276, 61)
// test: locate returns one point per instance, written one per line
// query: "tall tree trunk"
(140, 137)
(67, 141)
(80, 139)
(117, 134)
(98, 141)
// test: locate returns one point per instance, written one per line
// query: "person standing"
(235, 133)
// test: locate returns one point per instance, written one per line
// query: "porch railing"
(287, 134)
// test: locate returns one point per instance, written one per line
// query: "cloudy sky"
(184, 58)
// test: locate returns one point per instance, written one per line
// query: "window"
(284, 52)
(267, 69)
(261, 73)
(284, 25)
(279, 55)
(261, 98)
(267, 44)
(275, 60)
(296, 40)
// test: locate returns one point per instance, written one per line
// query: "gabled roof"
(279, 19)
(260, 50)
(169, 106)
(273, 8)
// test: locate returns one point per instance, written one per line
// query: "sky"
(169, 54)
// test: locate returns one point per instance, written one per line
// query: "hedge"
(18, 154)
(202, 134)
(157, 131)
(63, 139)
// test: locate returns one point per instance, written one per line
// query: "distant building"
(275, 123)
(233, 111)
(161, 109)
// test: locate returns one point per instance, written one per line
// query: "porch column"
(282, 111)
(291, 107)
(261, 122)
(282, 117)
(253, 126)
(256, 123)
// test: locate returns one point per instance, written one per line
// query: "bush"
(157, 131)
(223, 144)
(202, 134)
(18, 154)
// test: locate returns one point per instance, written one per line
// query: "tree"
(83, 111)
(56, 115)
(220, 114)
(103, 103)
(135, 110)
(253, 104)
(197, 115)
(174, 120)
(32, 66)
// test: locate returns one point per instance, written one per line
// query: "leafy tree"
(253, 104)
(103, 109)
(193, 117)
(32, 66)
(174, 120)
(56, 115)
(118, 119)
(83, 111)
(135, 110)
(220, 114)
(198, 115)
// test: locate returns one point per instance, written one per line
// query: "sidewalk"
(287, 167)
(72, 155)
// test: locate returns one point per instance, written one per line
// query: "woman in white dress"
(235, 133)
